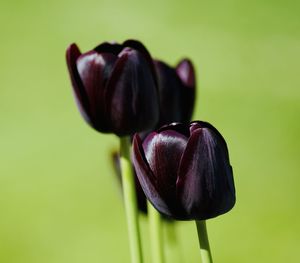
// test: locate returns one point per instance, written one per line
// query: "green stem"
(130, 201)
(172, 242)
(155, 226)
(203, 241)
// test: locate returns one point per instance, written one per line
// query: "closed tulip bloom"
(185, 171)
(115, 87)
(176, 91)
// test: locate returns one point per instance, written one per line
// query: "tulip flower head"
(115, 87)
(185, 172)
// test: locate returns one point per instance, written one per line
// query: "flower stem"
(155, 226)
(130, 201)
(172, 242)
(203, 241)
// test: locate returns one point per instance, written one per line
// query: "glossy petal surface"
(205, 182)
(176, 91)
(186, 73)
(115, 86)
(186, 168)
(132, 95)
(169, 94)
(72, 54)
(147, 178)
(94, 70)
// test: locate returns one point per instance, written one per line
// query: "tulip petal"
(131, 95)
(205, 181)
(186, 73)
(94, 70)
(72, 55)
(113, 48)
(170, 97)
(137, 45)
(194, 125)
(163, 152)
(146, 177)
(178, 127)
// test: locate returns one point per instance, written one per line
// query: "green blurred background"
(59, 202)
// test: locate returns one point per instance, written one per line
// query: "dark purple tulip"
(115, 87)
(176, 91)
(141, 198)
(185, 171)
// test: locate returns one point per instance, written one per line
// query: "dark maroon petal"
(170, 97)
(131, 94)
(163, 152)
(72, 55)
(94, 70)
(178, 127)
(187, 104)
(186, 73)
(146, 177)
(106, 47)
(137, 45)
(194, 125)
(205, 182)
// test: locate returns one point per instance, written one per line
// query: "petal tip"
(73, 52)
(186, 72)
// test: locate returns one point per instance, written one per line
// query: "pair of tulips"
(183, 168)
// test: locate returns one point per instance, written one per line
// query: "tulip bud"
(185, 171)
(176, 91)
(115, 87)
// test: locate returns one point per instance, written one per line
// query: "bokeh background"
(59, 201)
